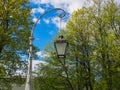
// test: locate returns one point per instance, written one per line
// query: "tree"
(15, 25)
(81, 45)
(106, 16)
(92, 61)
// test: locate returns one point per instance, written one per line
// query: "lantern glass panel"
(61, 48)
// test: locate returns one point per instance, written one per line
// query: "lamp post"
(29, 85)
(61, 47)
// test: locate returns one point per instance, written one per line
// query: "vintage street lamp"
(61, 47)
(29, 80)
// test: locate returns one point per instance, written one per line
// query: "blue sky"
(49, 25)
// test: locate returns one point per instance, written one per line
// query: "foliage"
(15, 25)
(92, 62)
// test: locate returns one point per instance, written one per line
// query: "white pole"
(29, 74)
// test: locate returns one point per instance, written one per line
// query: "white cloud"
(46, 21)
(67, 5)
(54, 20)
(51, 32)
(58, 23)
(39, 54)
(36, 64)
(35, 19)
(42, 55)
(63, 25)
(39, 1)
(37, 10)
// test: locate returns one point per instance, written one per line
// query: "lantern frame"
(58, 42)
